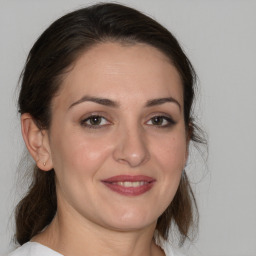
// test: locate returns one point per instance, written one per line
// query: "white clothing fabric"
(36, 249)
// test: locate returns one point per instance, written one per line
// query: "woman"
(105, 107)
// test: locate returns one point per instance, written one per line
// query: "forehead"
(114, 70)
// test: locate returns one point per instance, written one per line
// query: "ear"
(37, 142)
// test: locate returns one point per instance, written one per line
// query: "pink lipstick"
(129, 185)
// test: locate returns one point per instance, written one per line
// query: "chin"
(131, 220)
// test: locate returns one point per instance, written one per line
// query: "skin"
(128, 140)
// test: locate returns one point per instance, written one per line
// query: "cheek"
(77, 161)
(76, 152)
(171, 153)
(90, 154)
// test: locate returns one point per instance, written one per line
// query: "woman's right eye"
(94, 122)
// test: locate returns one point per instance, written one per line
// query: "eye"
(95, 121)
(161, 121)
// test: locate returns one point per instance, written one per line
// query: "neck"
(63, 236)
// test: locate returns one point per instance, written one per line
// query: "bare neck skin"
(73, 235)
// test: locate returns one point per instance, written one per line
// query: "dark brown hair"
(51, 56)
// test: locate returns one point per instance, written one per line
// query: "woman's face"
(117, 138)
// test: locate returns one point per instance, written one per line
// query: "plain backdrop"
(220, 39)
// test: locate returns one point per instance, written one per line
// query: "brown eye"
(161, 121)
(157, 120)
(94, 121)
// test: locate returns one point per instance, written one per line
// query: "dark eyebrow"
(160, 101)
(102, 101)
(110, 103)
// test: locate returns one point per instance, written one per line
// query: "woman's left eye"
(161, 121)
(94, 121)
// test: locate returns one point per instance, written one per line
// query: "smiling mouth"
(129, 185)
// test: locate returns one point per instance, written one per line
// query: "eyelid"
(96, 113)
(87, 117)
(165, 116)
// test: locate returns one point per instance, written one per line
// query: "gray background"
(220, 39)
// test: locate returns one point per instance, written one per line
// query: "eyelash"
(169, 121)
(94, 126)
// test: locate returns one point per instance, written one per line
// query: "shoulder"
(22, 250)
(33, 249)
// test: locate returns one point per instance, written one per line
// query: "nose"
(131, 147)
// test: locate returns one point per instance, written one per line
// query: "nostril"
(131, 158)
(131, 147)
(131, 154)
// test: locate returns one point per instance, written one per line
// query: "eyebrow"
(111, 103)
(101, 101)
(160, 101)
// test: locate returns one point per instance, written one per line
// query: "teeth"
(128, 184)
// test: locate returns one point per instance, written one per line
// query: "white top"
(36, 249)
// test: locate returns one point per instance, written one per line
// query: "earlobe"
(37, 142)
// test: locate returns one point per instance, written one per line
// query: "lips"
(129, 185)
